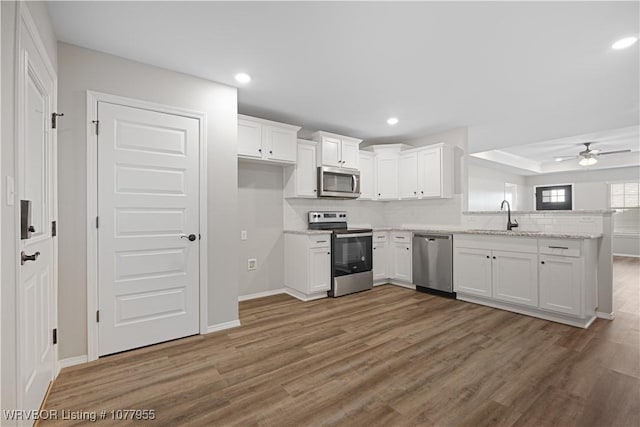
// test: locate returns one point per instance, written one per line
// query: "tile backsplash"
(537, 222)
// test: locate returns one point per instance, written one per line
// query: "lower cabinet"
(550, 278)
(472, 271)
(401, 256)
(560, 284)
(380, 260)
(307, 261)
(515, 277)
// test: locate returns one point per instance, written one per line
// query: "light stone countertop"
(515, 233)
(307, 232)
(564, 212)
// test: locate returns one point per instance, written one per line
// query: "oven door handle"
(344, 236)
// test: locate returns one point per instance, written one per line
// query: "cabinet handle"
(378, 194)
(558, 247)
(328, 253)
(421, 192)
(488, 257)
(415, 193)
(374, 249)
(407, 248)
(541, 262)
(321, 241)
(259, 150)
(314, 190)
(399, 237)
(494, 257)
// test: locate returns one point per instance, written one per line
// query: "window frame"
(567, 205)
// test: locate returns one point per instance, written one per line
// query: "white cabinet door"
(380, 261)
(366, 177)
(249, 139)
(387, 178)
(279, 143)
(515, 277)
(472, 271)
(408, 176)
(401, 261)
(560, 284)
(349, 154)
(330, 151)
(430, 179)
(306, 172)
(319, 270)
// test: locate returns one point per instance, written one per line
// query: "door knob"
(24, 257)
(191, 237)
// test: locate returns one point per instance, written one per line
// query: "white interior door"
(148, 201)
(36, 184)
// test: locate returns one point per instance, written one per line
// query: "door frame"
(93, 98)
(25, 21)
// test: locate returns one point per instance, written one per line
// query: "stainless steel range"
(351, 253)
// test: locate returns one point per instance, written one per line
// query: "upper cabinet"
(367, 176)
(403, 172)
(265, 140)
(337, 150)
(301, 180)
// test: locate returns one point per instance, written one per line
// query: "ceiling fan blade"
(614, 152)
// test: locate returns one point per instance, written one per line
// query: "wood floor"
(387, 357)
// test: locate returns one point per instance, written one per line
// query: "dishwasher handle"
(433, 237)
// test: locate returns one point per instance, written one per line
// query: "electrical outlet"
(252, 264)
(243, 235)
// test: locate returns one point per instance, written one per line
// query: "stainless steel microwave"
(338, 182)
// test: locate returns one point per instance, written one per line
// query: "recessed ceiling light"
(392, 121)
(243, 78)
(624, 43)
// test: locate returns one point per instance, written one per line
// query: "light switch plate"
(11, 191)
(243, 235)
(252, 264)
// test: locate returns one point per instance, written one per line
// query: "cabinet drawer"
(380, 237)
(403, 237)
(560, 247)
(323, 241)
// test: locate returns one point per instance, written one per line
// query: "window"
(554, 197)
(511, 195)
(625, 195)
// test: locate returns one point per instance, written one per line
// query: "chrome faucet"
(510, 224)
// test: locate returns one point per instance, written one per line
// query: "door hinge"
(54, 228)
(97, 222)
(54, 119)
(55, 336)
(98, 316)
(97, 123)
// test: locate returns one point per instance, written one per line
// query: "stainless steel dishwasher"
(433, 263)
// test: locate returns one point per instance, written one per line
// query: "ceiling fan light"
(588, 161)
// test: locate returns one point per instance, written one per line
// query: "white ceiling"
(530, 159)
(513, 72)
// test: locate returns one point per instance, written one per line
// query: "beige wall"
(81, 70)
(9, 251)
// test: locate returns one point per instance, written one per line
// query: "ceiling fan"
(588, 156)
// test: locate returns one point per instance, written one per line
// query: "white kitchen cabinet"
(307, 261)
(367, 183)
(472, 271)
(319, 269)
(408, 176)
(561, 284)
(515, 277)
(337, 150)
(386, 178)
(436, 171)
(554, 279)
(301, 180)
(265, 140)
(401, 256)
(381, 253)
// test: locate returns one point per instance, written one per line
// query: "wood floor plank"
(387, 357)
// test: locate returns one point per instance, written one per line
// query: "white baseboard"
(223, 326)
(261, 294)
(628, 255)
(608, 316)
(402, 284)
(304, 297)
(72, 361)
